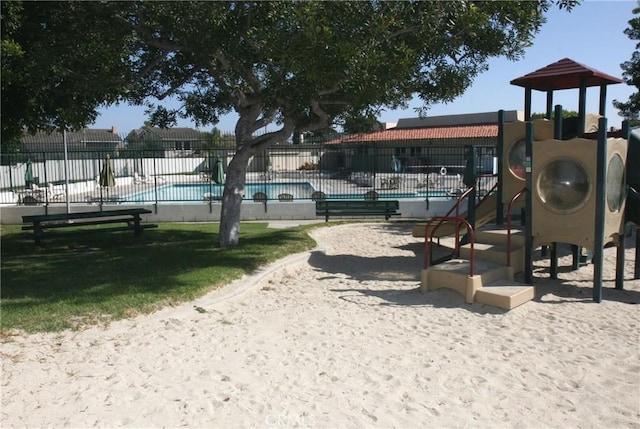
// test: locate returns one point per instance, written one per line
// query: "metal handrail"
(493, 188)
(511, 203)
(456, 206)
(459, 221)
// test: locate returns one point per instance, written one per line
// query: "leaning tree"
(631, 108)
(302, 66)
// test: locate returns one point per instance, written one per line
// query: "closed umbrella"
(28, 175)
(218, 172)
(107, 178)
(469, 175)
(396, 165)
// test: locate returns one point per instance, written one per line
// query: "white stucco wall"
(205, 212)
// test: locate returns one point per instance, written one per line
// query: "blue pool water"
(198, 192)
(299, 190)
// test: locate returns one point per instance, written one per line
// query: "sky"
(591, 34)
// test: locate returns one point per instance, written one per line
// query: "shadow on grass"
(103, 271)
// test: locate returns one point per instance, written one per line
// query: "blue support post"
(549, 104)
(598, 242)
(620, 249)
(557, 134)
(500, 152)
(527, 104)
(582, 121)
(575, 255)
(472, 168)
(528, 230)
(620, 262)
(636, 271)
(603, 100)
(582, 106)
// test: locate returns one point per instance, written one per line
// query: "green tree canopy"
(308, 65)
(565, 114)
(60, 62)
(299, 66)
(631, 108)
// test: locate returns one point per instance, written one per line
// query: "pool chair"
(318, 196)
(456, 192)
(55, 193)
(390, 182)
(37, 192)
(260, 197)
(394, 182)
(32, 196)
(208, 196)
(371, 195)
(137, 179)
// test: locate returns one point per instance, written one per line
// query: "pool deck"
(351, 187)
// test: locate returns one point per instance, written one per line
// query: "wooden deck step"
(446, 229)
(505, 294)
(497, 234)
(496, 253)
(440, 253)
(454, 274)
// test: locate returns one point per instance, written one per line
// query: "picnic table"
(42, 224)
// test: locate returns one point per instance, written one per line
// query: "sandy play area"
(342, 338)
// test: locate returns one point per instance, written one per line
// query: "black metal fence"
(285, 172)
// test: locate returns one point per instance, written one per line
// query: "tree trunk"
(229, 234)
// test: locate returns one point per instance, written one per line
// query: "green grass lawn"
(78, 280)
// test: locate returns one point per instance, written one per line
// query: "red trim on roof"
(564, 74)
(404, 134)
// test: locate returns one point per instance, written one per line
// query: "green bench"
(41, 224)
(386, 208)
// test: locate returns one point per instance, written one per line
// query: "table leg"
(136, 225)
(37, 232)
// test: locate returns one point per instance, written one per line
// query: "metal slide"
(485, 213)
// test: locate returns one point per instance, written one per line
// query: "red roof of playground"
(564, 74)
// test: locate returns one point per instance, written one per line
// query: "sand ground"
(341, 337)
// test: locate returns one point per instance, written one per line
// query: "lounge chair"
(137, 179)
(394, 182)
(318, 196)
(37, 192)
(371, 195)
(55, 193)
(260, 197)
(208, 196)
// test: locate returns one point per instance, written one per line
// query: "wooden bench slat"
(84, 215)
(386, 208)
(83, 223)
(91, 231)
(43, 224)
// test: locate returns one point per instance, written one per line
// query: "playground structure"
(571, 184)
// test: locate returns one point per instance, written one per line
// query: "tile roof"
(433, 133)
(564, 74)
(73, 137)
(170, 134)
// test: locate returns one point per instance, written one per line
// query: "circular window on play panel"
(563, 185)
(615, 183)
(516, 157)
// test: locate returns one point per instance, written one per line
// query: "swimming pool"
(203, 191)
(299, 190)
